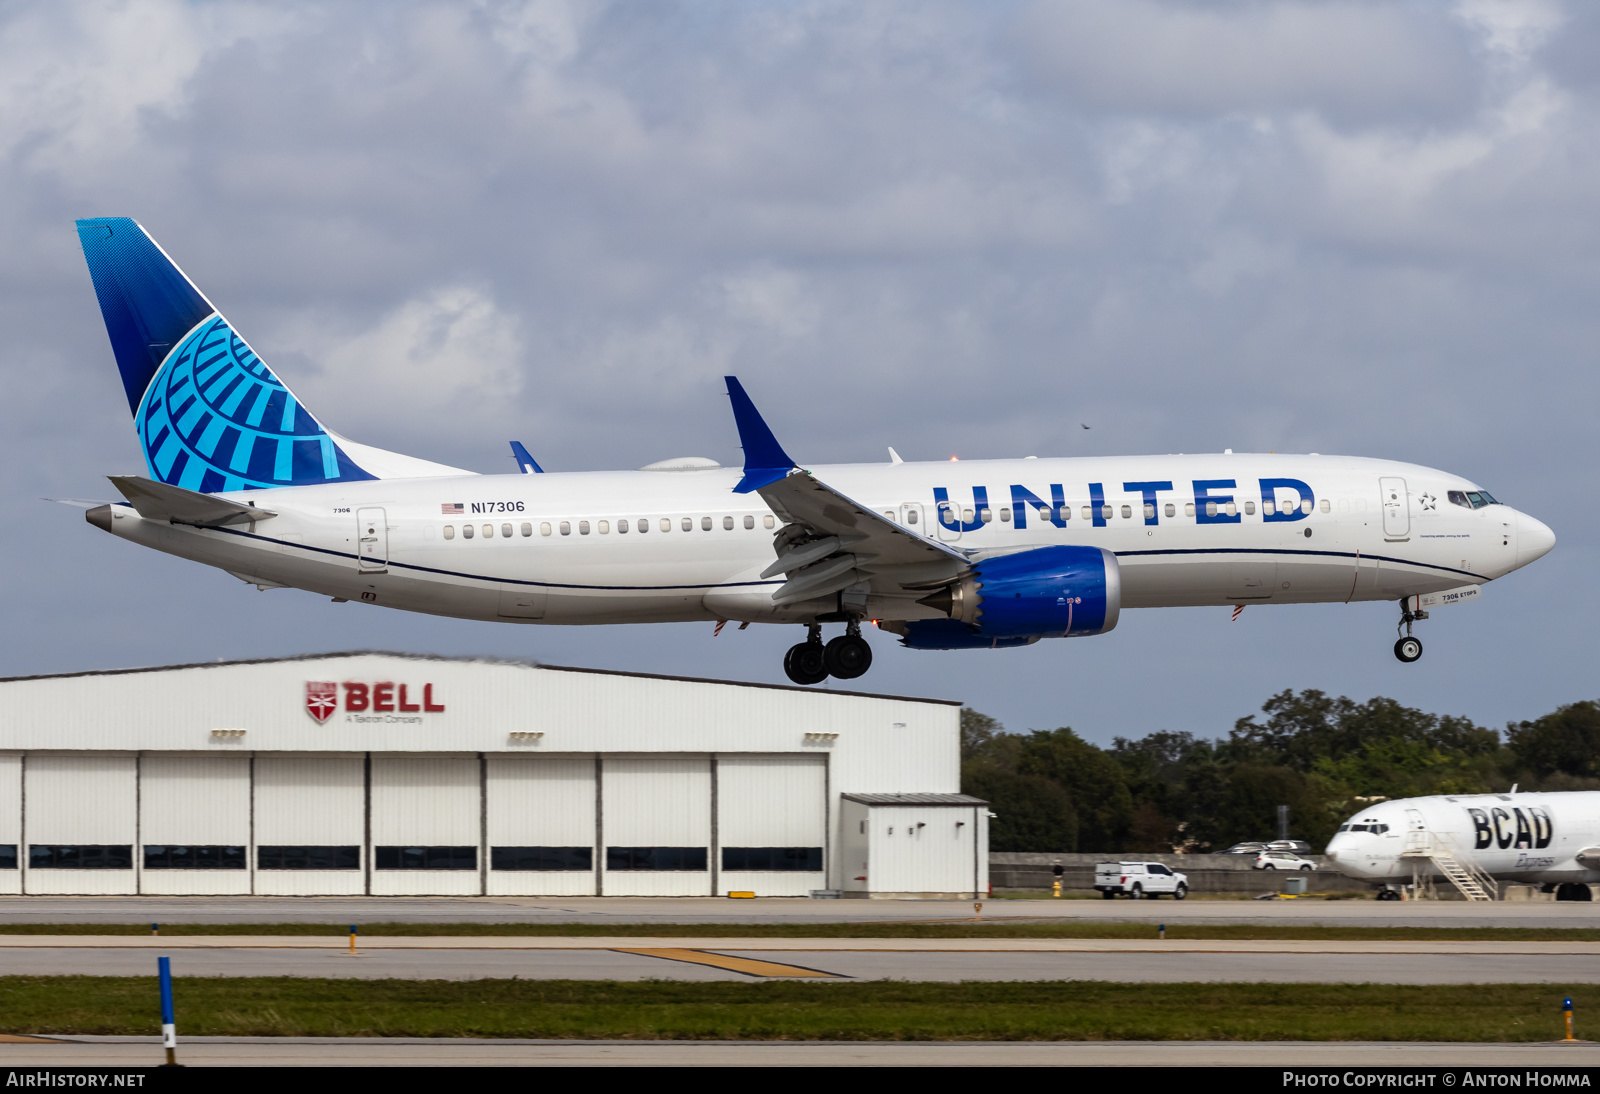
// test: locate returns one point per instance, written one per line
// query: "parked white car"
(1139, 880)
(1282, 860)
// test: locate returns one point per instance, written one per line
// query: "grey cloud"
(1354, 62)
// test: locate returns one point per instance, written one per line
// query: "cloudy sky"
(958, 229)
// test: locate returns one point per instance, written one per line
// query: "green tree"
(1566, 741)
(1091, 777)
(1032, 813)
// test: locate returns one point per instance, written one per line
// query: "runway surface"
(732, 959)
(413, 1052)
(1369, 913)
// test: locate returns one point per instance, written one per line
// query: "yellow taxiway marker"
(746, 965)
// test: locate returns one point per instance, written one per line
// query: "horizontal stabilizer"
(162, 501)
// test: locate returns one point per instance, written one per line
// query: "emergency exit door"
(372, 541)
(1396, 508)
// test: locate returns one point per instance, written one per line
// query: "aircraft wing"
(830, 541)
(162, 501)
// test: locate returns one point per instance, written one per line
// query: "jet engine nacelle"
(1012, 600)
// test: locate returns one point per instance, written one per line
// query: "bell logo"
(382, 697)
(322, 699)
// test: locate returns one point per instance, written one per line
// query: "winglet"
(524, 460)
(765, 461)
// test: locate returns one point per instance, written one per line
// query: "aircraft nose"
(1534, 539)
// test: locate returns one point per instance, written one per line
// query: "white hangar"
(398, 775)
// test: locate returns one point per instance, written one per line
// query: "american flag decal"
(452, 509)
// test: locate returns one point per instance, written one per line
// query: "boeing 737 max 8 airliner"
(947, 555)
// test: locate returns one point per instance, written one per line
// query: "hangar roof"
(914, 799)
(506, 661)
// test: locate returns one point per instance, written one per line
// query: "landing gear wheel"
(1388, 894)
(1180, 892)
(804, 663)
(1408, 649)
(847, 656)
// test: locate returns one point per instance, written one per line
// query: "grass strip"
(895, 1011)
(992, 928)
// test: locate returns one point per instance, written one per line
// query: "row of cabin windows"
(603, 527)
(1109, 512)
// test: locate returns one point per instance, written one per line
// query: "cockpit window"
(1344, 828)
(1471, 499)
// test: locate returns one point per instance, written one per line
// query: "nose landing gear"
(846, 657)
(1407, 648)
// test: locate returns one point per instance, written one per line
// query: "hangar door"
(541, 825)
(194, 824)
(656, 826)
(311, 824)
(771, 824)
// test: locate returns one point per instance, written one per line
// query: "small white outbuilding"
(399, 775)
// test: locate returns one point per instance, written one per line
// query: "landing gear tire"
(805, 664)
(1408, 649)
(847, 656)
(1388, 894)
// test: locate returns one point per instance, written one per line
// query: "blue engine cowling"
(1012, 600)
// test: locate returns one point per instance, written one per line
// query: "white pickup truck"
(1139, 880)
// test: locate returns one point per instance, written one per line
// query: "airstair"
(1420, 843)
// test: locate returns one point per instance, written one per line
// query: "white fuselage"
(548, 548)
(1535, 838)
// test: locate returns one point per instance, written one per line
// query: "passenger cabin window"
(1305, 506)
(449, 531)
(1249, 508)
(643, 525)
(666, 524)
(1127, 512)
(488, 531)
(727, 524)
(1005, 514)
(466, 531)
(1149, 511)
(1188, 508)
(749, 522)
(622, 526)
(911, 517)
(688, 524)
(966, 516)
(1231, 509)
(986, 516)
(1105, 512)
(1324, 506)
(583, 528)
(1088, 512)
(1269, 507)
(603, 527)
(505, 530)
(1211, 508)
(705, 524)
(1171, 510)
(527, 530)
(566, 528)
(767, 521)
(544, 528)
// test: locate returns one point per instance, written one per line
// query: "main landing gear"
(1408, 649)
(846, 657)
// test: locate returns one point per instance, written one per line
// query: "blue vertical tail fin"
(210, 414)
